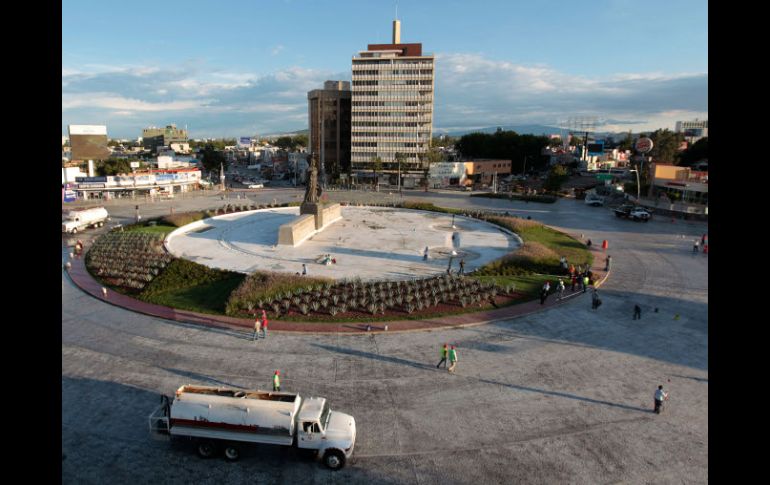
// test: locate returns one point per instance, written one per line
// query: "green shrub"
(181, 273)
(183, 219)
(266, 286)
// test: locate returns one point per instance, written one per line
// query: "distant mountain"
(520, 129)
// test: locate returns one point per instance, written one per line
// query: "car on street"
(256, 186)
(594, 201)
(635, 213)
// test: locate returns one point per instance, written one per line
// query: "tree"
(433, 155)
(112, 166)
(666, 145)
(627, 143)
(376, 167)
(212, 158)
(695, 153)
(556, 178)
(507, 145)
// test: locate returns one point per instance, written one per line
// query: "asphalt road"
(560, 396)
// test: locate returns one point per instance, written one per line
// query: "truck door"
(309, 435)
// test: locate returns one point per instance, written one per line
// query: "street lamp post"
(638, 185)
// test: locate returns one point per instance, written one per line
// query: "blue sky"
(238, 68)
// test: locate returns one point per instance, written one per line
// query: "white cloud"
(275, 50)
(472, 91)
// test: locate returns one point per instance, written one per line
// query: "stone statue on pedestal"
(313, 190)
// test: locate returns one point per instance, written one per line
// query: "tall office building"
(153, 138)
(392, 105)
(329, 123)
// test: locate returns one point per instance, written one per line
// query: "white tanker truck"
(222, 418)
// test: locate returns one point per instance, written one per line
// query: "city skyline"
(245, 68)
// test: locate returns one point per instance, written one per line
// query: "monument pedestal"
(296, 232)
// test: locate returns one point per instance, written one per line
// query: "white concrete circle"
(368, 242)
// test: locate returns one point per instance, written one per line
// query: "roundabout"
(370, 243)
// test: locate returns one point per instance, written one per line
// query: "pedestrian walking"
(444, 354)
(586, 282)
(705, 249)
(609, 261)
(574, 282)
(277, 381)
(462, 266)
(637, 312)
(543, 295)
(425, 254)
(257, 326)
(695, 247)
(452, 359)
(264, 324)
(703, 239)
(588, 243)
(571, 269)
(595, 300)
(304, 269)
(660, 396)
(560, 287)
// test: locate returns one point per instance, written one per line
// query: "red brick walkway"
(87, 283)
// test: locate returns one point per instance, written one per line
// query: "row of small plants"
(365, 297)
(127, 260)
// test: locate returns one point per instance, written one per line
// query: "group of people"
(703, 243)
(260, 326)
(450, 353)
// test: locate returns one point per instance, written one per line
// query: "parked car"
(257, 186)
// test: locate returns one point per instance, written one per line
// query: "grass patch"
(528, 285)
(157, 229)
(203, 298)
(191, 286)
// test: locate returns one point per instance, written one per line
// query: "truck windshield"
(325, 412)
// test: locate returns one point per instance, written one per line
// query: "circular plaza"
(370, 243)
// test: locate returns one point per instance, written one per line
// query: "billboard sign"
(643, 145)
(68, 195)
(89, 142)
(244, 141)
(596, 148)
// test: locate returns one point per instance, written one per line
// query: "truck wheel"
(206, 449)
(232, 453)
(74, 230)
(334, 459)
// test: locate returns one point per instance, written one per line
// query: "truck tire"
(232, 453)
(74, 230)
(206, 449)
(334, 459)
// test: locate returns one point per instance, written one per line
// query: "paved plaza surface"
(371, 243)
(563, 395)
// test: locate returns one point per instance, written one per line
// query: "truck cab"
(332, 433)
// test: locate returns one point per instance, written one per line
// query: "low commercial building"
(149, 182)
(671, 183)
(482, 171)
(447, 174)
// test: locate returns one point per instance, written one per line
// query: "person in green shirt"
(444, 352)
(276, 381)
(452, 359)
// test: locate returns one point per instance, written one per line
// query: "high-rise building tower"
(329, 123)
(392, 105)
